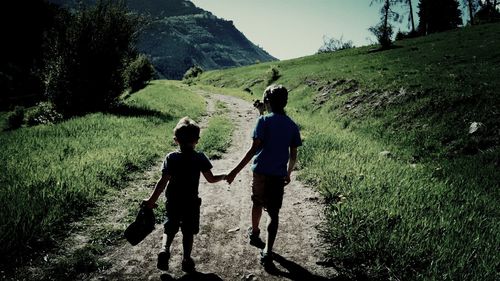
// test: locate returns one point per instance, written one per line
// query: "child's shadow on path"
(195, 276)
(295, 271)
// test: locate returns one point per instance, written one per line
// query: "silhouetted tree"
(383, 31)
(24, 26)
(487, 12)
(411, 16)
(413, 32)
(438, 15)
(472, 6)
(85, 69)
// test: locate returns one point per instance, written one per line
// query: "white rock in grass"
(385, 153)
(475, 126)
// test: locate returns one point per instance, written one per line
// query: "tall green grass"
(52, 174)
(216, 138)
(389, 218)
(426, 208)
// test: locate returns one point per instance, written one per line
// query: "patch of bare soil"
(221, 250)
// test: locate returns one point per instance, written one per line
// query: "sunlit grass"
(52, 174)
(422, 220)
(216, 138)
(426, 208)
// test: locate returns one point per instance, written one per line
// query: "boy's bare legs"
(164, 255)
(167, 242)
(254, 231)
(256, 215)
(272, 230)
(187, 245)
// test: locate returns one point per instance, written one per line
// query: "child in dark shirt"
(181, 171)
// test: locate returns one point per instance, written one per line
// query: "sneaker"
(266, 259)
(254, 239)
(187, 265)
(163, 258)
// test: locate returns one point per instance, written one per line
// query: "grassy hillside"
(413, 191)
(51, 174)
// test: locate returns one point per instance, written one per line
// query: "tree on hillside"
(411, 19)
(487, 12)
(472, 6)
(138, 73)
(438, 15)
(411, 16)
(383, 31)
(85, 67)
(23, 30)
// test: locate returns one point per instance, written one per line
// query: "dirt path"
(221, 250)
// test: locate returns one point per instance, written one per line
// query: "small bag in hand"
(142, 226)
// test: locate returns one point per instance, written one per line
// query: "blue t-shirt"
(278, 133)
(184, 169)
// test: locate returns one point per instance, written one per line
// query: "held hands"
(230, 177)
(287, 180)
(149, 204)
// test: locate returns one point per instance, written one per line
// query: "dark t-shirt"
(184, 169)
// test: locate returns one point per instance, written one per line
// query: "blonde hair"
(186, 131)
(277, 96)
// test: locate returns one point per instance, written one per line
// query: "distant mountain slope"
(177, 43)
(181, 35)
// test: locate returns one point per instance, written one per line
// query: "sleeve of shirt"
(165, 166)
(296, 140)
(205, 164)
(258, 131)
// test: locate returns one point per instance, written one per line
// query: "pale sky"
(295, 28)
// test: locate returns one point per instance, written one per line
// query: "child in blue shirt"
(275, 141)
(181, 171)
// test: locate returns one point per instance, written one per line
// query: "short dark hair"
(277, 96)
(186, 131)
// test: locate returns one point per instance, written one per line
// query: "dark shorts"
(183, 215)
(267, 191)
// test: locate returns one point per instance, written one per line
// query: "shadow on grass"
(126, 110)
(296, 272)
(195, 276)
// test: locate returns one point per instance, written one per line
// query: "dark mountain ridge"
(180, 35)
